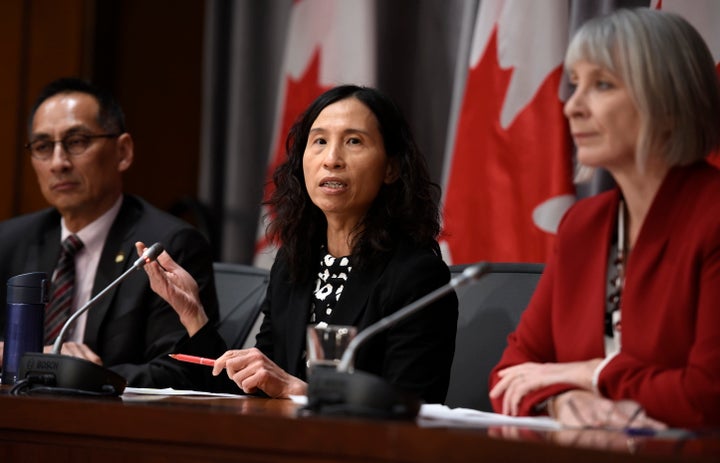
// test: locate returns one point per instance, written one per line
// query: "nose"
(575, 105)
(60, 158)
(333, 157)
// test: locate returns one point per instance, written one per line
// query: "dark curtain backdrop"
(422, 50)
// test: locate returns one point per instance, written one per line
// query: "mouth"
(583, 137)
(333, 184)
(63, 185)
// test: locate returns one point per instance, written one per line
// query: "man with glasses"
(79, 150)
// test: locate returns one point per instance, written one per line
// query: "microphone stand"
(343, 391)
(148, 256)
(74, 375)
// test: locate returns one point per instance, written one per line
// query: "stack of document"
(133, 393)
(441, 415)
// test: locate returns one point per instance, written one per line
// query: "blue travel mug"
(27, 295)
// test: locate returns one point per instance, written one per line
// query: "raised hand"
(176, 286)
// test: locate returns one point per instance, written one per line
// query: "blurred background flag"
(508, 177)
(328, 43)
(705, 16)
(481, 83)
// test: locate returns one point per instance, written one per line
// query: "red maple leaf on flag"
(500, 176)
(299, 94)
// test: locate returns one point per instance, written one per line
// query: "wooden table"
(186, 429)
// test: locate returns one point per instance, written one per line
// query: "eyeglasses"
(74, 144)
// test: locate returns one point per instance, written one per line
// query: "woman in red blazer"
(624, 328)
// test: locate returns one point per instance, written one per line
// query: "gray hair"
(670, 75)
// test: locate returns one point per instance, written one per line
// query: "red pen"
(193, 359)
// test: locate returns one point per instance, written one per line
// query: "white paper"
(442, 415)
(168, 391)
(436, 415)
(299, 399)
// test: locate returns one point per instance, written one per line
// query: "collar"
(94, 234)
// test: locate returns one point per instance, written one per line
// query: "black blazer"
(415, 354)
(131, 328)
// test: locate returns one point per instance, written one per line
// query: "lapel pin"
(120, 257)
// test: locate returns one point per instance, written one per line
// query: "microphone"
(344, 391)
(148, 256)
(64, 373)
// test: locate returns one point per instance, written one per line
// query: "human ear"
(392, 171)
(125, 150)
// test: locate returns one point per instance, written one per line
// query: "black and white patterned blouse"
(332, 277)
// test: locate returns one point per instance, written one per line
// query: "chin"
(593, 159)
(64, 204)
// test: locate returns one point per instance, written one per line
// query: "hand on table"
(73, 349)
(518, 380)
(578, 408)
(251, 370)
(76, 349)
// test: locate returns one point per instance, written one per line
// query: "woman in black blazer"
(356, 218)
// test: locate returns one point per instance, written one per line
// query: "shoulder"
(689, 200)
(147, 214)
(588, 212)
(29, 224)
(411, 273)
(138, 220)
(407, 251)
(280, 270)
(151, 221)
(410, 262)
(699, 181)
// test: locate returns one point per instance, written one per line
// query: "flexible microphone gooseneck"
(148, 256)
(343, 391)
(64, 373)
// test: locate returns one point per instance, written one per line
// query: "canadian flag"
(704, 15)
(510, 175)
(328, 43)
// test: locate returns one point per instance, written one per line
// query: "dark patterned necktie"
(63, 287)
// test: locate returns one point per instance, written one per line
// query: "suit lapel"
(665, 209)
(297, 315)
(652, 242)
(43, 256)
(349, 311)
(353, 301)
(117, 256)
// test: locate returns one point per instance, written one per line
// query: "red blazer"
(670, 356)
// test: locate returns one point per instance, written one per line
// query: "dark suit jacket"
(670, 356)
(415, 354)
(131, 328)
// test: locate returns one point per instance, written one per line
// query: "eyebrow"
(344, 132)
(71, 131)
